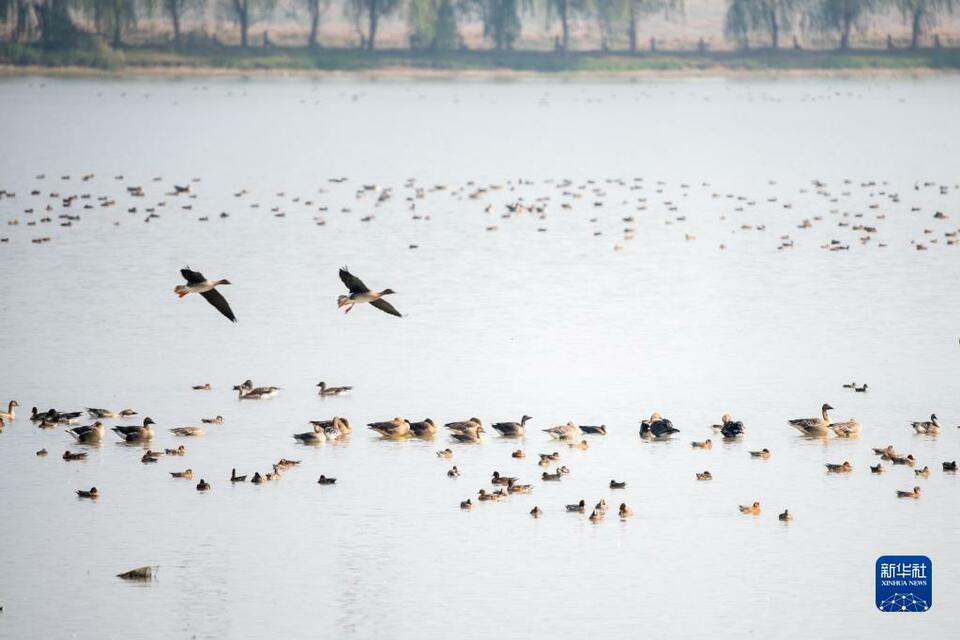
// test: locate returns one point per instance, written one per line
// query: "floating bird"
(564, 431)
(624, 511)
(90, 434)
(518, 454)
(596, 516)
(577, 508)
(600, 430)
(188, 431)
(657, 428)
(706, 444)
(69, 455)
(107, 413)
(203, 485)
(426, 428)
(453, 472)
(325, 480)
(909, 494)
(466, 504)
(752, 510)
(706, 475)
(360, 293)
(814, 426)
(877, 469)
(196, 283)
(468, 434)
(92, 493)
(136, 433)
(514, 487)
(763, 453)
(43, 452)
(729, 428)
(202, 387)
(179, 451)
(555, 476)
(331, 391)
(785, 516)
(235, 478)
(536, 512)
(861, 389)
(247, 391)
(849, 429)
(501, 480)
(445, 453)
(10, 414)
(931, 428)
(845, 467)
(512, 429)
(950, 466)
(317, 436)
(186, 475)
(217, 420)
(618, 485)
(396, 428)
(464, 425)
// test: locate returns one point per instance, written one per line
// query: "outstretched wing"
(354, 284)
(193, 277)
(213, 297)
(386, 307)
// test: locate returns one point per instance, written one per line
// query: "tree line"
(435, 24)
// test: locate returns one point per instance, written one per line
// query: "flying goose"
(657, 427)
(564, 431)
(849, 429)
(360, 293)
(90, 434)
(930, 428)
(396, 428)
(196, 283)
(331, 391)
(136, 433)
(509, 429)
(10, 414)
(814, 426)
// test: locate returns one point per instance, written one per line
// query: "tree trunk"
(915, 33)
(564, 24)
(374, 9)
(314, 24)
(244, 28)
(845, 33)
(632, 30)
(117, 22)
(774, 31)
(175, 19)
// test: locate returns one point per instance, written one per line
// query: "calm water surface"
(553, 323)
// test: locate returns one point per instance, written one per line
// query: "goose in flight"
(196, 283)
(360, 293)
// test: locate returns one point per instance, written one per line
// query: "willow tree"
(563, 11)
(769, 16)
(432, 24)
(247, 12)
(840, 17)
(17, 13)
(315, 10)
(632, 12)
(371, 12)
(501, 21)
(111, 17)
(738, 22)
(922, 14)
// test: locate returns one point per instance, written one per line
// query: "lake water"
(577, 322)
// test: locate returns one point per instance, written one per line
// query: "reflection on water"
(555, 324)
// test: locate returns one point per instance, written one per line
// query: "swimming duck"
(518, 454)
(861, 388)
(706, 475)
(596, 516)
(453, 472)
(179, 451)
(950, 466)
(547, 458)
(582, 445)
(317, 436)
(217, 420)
(333, 428)
(706, 444)
(69, 455)
(552, 476)
(907, 459)
(90, 434)
(483, 495)
(625, 511)
(785, 516)
(325, 480)
(618, 485)
(43, 452)
(187, 475)
(203, 485)
(909, 494)
(877, 469)
(501, 480)
(657, 428)
(601, 506)
(331, 391)
(839, 468)
(512, 429)
(92, 493)
(466, 504)
(150, 457)
(563, 470)
(188, 431)
(515, 487)
(396, 428)
(107, 413)
(136, 433)
(464, 425)
(468, 435)
(577, 508)
(285, 464)
(813, 426)
(729, 427)
(247, 391)
(536, 512)
(196, 283)
(235, 478)
(887, 451)
(446, 454)
(752, 510)
(763, 453)
(257, 478)
(276, 474)
(849, 429)
(424, 429)
(923, 473)
(931, 428)
(564, 431)
(599, 430)
(360, 293)
(10, 414)
(202, 387)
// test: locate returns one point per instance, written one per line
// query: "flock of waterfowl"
(616, 207)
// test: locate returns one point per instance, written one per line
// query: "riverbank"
(18, 59)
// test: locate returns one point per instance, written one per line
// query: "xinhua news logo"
(904, 584)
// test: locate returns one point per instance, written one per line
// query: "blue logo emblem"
(904, 584)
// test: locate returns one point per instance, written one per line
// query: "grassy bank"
(234, 59)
